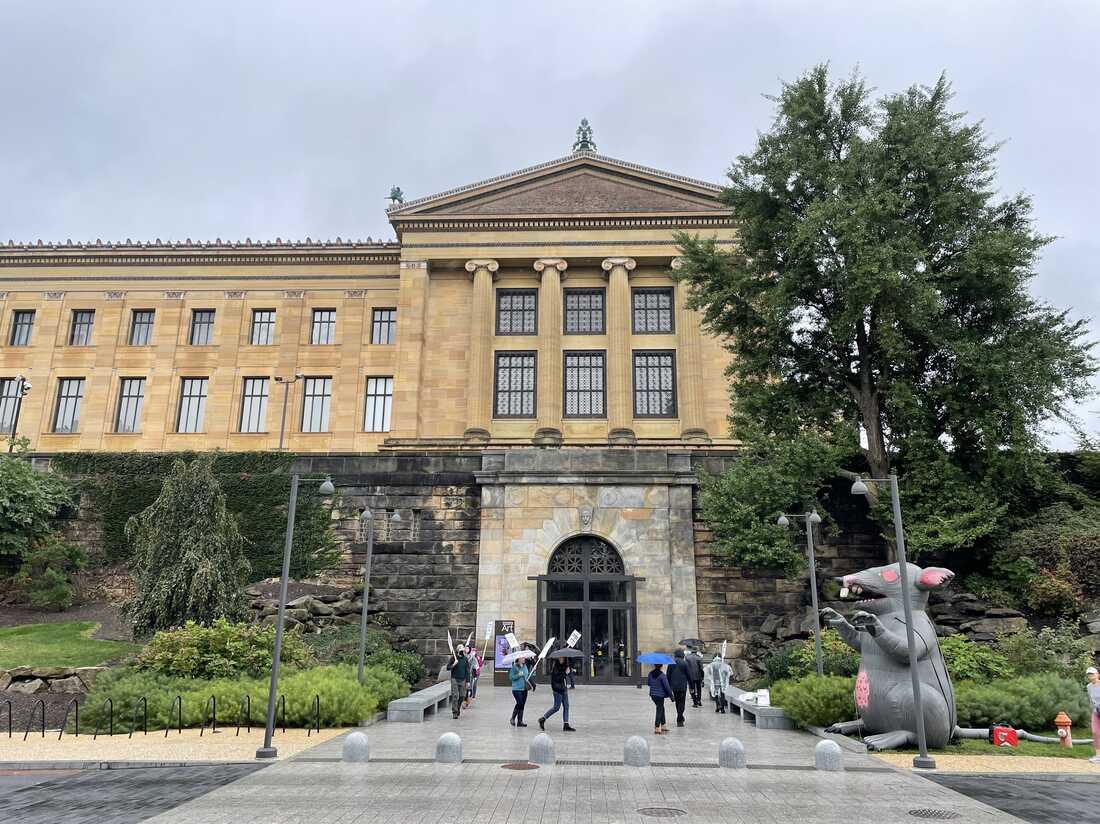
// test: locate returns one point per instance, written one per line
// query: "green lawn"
(971, 746)
(58, 645)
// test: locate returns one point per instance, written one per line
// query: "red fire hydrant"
(1063, 724)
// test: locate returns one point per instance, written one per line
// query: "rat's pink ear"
(934, 578)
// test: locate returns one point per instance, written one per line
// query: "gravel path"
(998, 763)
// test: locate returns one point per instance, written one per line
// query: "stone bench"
(413, 708)
(765, 718)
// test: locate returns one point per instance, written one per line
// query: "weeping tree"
(188, 553)
(881, 282)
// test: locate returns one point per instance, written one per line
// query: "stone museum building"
(518, 378)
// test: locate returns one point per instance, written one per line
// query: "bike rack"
(211, 702)
(178, 706)
(40, 704)
(144, 704)
(74, 704)
(282, 705)
(8, 702)
(110, 719)
(246, 706)
(316, 716)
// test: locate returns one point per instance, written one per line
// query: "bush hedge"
(221, 650)
(340, 645)
(344, 702)
(800, 659)
(1030, 702)
(256, 487)
(816, 700)
(969, 661)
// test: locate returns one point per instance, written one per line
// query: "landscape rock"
(771, 624)
(301, 602)
(1002, 612)
(252, 592)
(992, 626)
(298, 614)
(32, 687)
(52, 672)
(741, 670)
(945, 631)
(319, 608)
(69, 685)
(89, 674)
(1093, 642)
(1093, 626)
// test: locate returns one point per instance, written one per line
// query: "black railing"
(177, 705)
(246, 708)
(211, 704)
(282, 705)
(8, 702)
(144, 704)
(72, 705)
(316, 716)
(39, 705)
(110, 718)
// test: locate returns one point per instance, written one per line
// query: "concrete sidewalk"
(588, 785)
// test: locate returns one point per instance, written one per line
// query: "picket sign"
(513, 641)
(488, 635)
(451, 644)
(723, 650)
(574, 637)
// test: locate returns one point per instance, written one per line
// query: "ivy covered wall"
(114, 486)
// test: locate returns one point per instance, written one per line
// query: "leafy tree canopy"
(29, 501)
(188, 560)
(880, 279)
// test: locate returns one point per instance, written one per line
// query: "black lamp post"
(286, 382)
(812, 519)
(326, 489)
(368, 516)
(924, 760)
(22, 387)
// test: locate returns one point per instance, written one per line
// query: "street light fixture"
(326, 489)
(286, 382)
(812, 519)
(368, 516)
(924, 760)
(22, 387)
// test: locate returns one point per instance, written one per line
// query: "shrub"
(188, 553)
(1061, 537)
(408, 665)
(221, 650)
(344, 702)
(340, 645)
(1054, 650)
(29, 501)
(816, 700)
(970, 661)
(1054, 592)
(1031, 702)
(46, 575)
(796, 660)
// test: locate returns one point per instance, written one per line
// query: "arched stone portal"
(586, 589)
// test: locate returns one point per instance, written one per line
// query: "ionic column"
(479, 370)
(690, 365)
(620, 397)
(551, 274)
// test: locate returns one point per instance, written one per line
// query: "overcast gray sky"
(261, 119)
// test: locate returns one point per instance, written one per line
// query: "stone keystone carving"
(586, 519)
(884, 686)
(473, 265)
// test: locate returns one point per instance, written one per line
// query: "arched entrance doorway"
(586, 589)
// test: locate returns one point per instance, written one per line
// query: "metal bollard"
(448, 749)
(827, 756)
(636, 752)
(356, 748)
(731, 754)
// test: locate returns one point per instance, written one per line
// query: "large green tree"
(879, 279)
(189, 561)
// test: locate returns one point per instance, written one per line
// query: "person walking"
(716, 677)
(459, 667)
(475, 659)
(561, 696)
(517, 675)
(1094, 705)
(659, 690)
(695, 670)
(679, 679)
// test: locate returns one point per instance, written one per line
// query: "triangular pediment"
(582, 184)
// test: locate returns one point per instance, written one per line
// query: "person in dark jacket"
(659, 690)
(459, 667)
(695, 671)
(679, 678)
(561, 697)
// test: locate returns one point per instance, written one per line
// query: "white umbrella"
(518, 655)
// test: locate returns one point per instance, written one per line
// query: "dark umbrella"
(693, 642)
(568, 652)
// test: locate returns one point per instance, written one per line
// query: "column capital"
(627, 263)
(482, 263)
(542, 264)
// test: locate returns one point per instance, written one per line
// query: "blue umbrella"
(655, 658)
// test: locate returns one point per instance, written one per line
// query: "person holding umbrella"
(659, 688)
(518, 675)
(558, 686)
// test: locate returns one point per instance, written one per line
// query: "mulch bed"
(24, 708)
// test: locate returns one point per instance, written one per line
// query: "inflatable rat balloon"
(884, 686)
